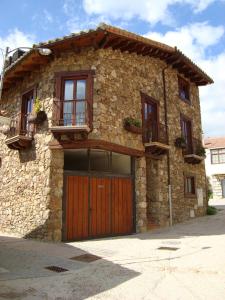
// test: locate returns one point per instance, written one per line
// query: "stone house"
(75, 163)
(215, 165)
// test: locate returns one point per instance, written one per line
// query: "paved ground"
(191, 265)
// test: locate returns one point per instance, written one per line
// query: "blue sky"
(197, 27)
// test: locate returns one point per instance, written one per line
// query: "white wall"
(212, 169)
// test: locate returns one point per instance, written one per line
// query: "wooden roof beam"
(173, 59)
(104, 41)
(156, 53)
(114, 42)
(75, 48)
(148, 51)
(122, 43)
(128, 46)
(142, 48)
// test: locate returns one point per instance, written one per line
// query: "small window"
(121, 164)
(218, 156)
(184, 89)
(100, 160)
(189, 185)
(76, 160)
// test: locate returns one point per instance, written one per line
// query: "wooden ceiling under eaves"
(104, 37)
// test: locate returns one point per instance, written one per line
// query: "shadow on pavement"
(23, 263)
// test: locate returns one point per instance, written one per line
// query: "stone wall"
(183, 207)
(37, 173)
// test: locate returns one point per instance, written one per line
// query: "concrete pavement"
(186, 261)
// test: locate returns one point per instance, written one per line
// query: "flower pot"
(180, 143)
(32, 118)
(133, 129)
(37, 118)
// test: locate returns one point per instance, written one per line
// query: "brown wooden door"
(77, 207)
(98, 207)
(122, 208)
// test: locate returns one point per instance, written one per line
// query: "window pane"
(214, 151)
(189, 184)
(81, 89)
(67, 113)
(30, 104)
(100, 160)
(76, 160)
(121, 164)
(215, 159)
(68, 93)
(221, 150)
(80, 113)
(222, 158)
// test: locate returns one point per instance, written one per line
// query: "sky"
(196, 27)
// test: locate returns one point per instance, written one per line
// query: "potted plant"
(180, 142)
(133, 125)
(38, 115)
(200, 151)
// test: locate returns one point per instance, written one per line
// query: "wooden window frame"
(148, 99)
(217, 154)
(88, 75)
(186, 119)
(184, 85)
(193, 183)
(24, 125)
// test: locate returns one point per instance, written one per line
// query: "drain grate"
(56, 269)
(168, 248)
(86, 258)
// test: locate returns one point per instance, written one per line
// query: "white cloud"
(152, 11)
(77, 20)
(14, 39)
(48, 17)
(194, 41)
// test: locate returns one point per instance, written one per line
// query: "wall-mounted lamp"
(42, 51)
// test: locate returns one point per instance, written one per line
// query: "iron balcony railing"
(155, 132)
(20, 126)
(194, 147)
(70, 113)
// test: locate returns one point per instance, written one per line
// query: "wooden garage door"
(77, 207)
(122, 208)
(98, 207)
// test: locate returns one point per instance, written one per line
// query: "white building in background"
(215, 165)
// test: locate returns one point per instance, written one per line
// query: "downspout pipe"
(167, 137)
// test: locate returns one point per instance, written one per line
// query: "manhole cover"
(56, 269)
(86, 258)
(168, 248)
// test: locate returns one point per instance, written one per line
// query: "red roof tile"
(216, 142)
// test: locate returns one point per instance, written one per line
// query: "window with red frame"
(184, 89)
(74, 92)
(189, 185)
(186, 132)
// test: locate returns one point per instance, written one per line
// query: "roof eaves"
(190, 62)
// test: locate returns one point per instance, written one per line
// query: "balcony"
(194, 153)
(71, 120)
(155, 139)
(20, 133)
